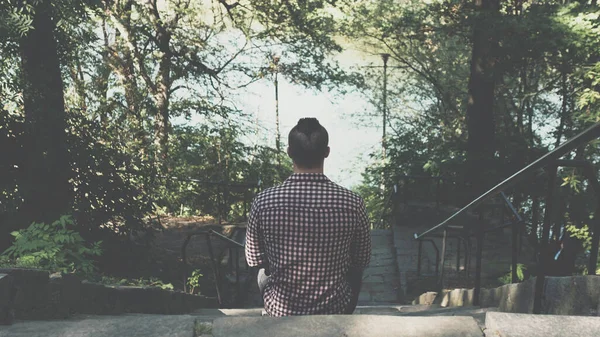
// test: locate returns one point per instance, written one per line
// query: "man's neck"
(308, 170)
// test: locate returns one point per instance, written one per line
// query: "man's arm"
(255, 250)
(360, 256)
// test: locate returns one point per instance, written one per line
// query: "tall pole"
(278, 135)
(385, 58)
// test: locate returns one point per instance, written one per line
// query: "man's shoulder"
(352, 197)
(330, 188)
(268, 194)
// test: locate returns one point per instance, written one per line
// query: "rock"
(517, 297)
(7, 292)
(439, 298)
(426, 298)
(574, 295)
(455, 298)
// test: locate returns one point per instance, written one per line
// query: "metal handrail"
(215, 265)
(584, 137)
(226, 239)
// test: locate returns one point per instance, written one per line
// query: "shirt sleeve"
(360, 249)
(255, 250)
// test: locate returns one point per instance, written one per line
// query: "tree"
(46, 190)
(480, 104)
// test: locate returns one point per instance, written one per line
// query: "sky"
(350, 142)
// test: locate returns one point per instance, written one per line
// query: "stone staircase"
(380, 321)
(380, 313)
(381, 280)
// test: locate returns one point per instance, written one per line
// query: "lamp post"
(277, 133)
(385, 58)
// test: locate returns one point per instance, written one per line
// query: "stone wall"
(38, 295)
(574, 295)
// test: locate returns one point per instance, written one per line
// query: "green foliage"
(202, 328)
(55, 247)
(507, 279)
(139, 282)
(215, 173)
(583, 234)
(374, 203)
(573, 182)
(194, 281)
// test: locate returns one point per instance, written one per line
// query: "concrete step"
(105, 326)
(346, 325)
(201, 321)
(501, 324)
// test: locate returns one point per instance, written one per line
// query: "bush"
(53, 247)
(521, 274)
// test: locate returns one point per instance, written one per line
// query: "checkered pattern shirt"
(309, 232)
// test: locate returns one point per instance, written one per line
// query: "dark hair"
(308, 143)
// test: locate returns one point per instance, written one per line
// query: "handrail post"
(444, 245)
(467, 243)
(593, 263)
(184, 261)
(237, 274)
(480, 238)
(215, 268)
(595, 240)
(457, 257)
(539, 282)
(514, 253)
(419, 258)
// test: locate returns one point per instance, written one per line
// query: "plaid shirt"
(309, 232)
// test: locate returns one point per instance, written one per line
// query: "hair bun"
(308, 125)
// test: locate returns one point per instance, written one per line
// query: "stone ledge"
(574, 295)
(346, 325)
(517, 325)
(38, 295)
(7, 293)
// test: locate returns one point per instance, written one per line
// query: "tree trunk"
(564, 106)
(47, 192)
(480, 108)
(103, 77)
(161, 97)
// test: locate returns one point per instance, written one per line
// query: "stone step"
(346, 325)
(202, 322)
(105, 326)
(501, 324)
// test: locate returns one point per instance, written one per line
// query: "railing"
(551, 161)
(233, 248)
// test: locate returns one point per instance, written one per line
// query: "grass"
(202, 328)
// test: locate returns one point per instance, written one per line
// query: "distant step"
(381, 280)
(347, 326)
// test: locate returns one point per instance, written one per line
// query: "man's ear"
(288, 152)
(327, 152)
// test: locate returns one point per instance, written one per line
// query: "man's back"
(309, 232)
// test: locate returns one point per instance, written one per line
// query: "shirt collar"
(307, 177)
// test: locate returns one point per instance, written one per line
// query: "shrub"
(521, 269)
(194, 281)
(54, 247)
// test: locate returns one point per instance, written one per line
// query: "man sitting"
(310, 235)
